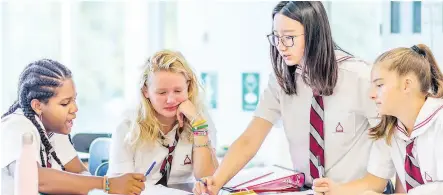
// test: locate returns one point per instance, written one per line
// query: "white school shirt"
(386, 160)
(346, 123)
(125, 160)
(13, 127)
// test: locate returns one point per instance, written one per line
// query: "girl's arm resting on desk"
(369, 182)
(242, 150)
(53, 181)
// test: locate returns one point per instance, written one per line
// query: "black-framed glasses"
(287, 41)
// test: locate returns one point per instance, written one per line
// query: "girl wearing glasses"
(318, 91)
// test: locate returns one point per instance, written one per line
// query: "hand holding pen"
(323, 185)
(206, 186)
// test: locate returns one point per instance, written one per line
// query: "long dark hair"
(39, 81)
(321, 69)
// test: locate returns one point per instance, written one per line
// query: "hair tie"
(418, 50)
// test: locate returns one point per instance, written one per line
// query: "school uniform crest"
(187, 161)
(339, 128)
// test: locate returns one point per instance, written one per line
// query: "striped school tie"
(165, 168)
(316, 138)
(412, 169)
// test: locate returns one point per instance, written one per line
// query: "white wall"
(356, 26)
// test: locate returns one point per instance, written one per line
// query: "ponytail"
(436, 74)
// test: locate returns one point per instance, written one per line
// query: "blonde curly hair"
(145, 127)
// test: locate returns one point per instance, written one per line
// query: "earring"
(41, 117)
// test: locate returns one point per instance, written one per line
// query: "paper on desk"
(162, 190)
(308, 192)
(251, 173)
(150, 190)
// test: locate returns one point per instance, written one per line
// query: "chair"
(98, 153)
(102, 169)
(82, 141)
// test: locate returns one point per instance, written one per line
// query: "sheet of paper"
(161, 190)
(150, 190)
(309, 192)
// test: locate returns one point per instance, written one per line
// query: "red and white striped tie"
(316, 138)
(412, 169)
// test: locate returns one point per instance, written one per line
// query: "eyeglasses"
(287, 41)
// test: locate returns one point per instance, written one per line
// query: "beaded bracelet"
(203, 145)
(201, 133)
(204, 125)
(106, 184)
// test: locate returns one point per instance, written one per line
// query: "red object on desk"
(291, 183)
(252, 180)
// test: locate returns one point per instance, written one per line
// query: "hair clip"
(418, 50)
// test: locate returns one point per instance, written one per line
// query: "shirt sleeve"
(268, 107)
(121, 156)
(380, 162)
(64, 149)
(12, 131)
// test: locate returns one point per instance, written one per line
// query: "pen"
(319, 167)
(150, 168)
(229, 189)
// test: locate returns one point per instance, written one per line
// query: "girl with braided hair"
(46, 107)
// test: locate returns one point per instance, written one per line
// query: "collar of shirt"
(424, 120)
(340, 56)
(170, 136)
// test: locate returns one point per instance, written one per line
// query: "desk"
(182, 186)
(309, 192)
(188, 187)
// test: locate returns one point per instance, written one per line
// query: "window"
(29, 31)
(98, 63)
(416, 17)
(395, 17)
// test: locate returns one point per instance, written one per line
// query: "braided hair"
(39, 80)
